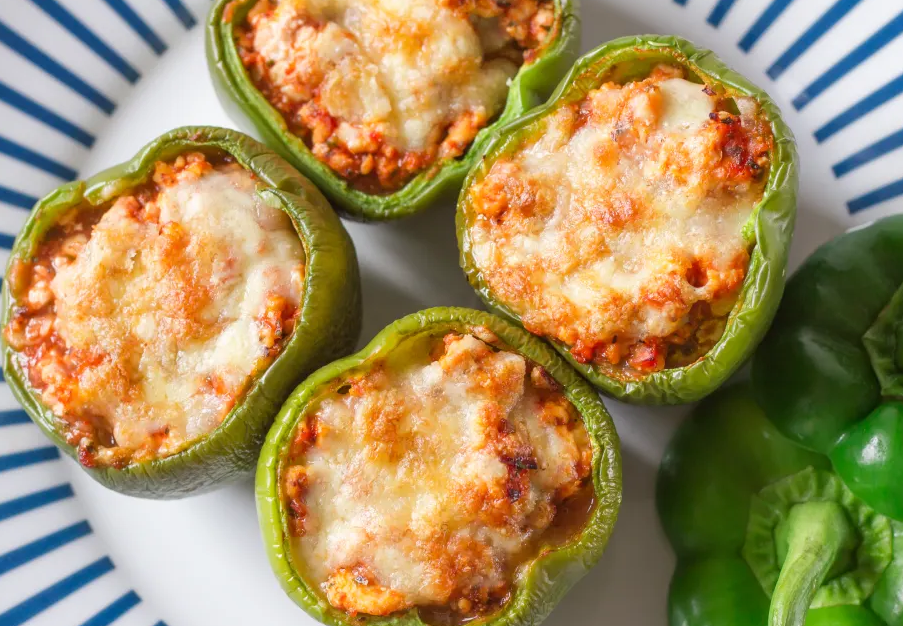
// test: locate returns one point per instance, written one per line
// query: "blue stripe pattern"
(13, 417)
(50, 547)
(110, 610)
(38, 548)
(115, 610)
(42, 601)
(18, 460)
(138, 25)
(869, 154)
(862, 108)
(719, 11)
(182, 13)
(762, 24)
(33, 501)
(30, 157)
(882, 194)
(28, 50)
(825, 23)
(71, 23)
(851, 61)
(37, 111)
(7, 241)
(17, 198)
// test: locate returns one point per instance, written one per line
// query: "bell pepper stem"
(818, 534)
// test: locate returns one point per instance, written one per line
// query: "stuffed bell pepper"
(830, 373)
(640, 220)
(156, 315)
(384, 104)
(454, 469)
(766, 533)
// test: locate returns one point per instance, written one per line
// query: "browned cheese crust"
(429, 484)
(381, 91)
(142, 322)
(617, 229)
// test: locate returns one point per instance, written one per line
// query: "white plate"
(84, 83)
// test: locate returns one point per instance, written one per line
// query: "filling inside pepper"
(616, 227)
(428, 480)
(142, 322)
(383, 90)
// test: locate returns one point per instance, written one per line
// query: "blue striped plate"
(83, 83)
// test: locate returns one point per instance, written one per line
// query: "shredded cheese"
(163, 311)
(617, 230)
(426, 485)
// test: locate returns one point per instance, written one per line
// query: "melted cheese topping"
(618, 230)
(406, 67)
(428, 485)
(163, 312)
(400, 80)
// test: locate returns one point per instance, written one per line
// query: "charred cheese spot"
(145, 321)
(381, 90)
(617, 229)
(427, 484)
(353, 592)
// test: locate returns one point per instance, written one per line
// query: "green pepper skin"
(770, 227)
(711, 485)
(545, 581)
(828, 375)
(251, 111)
(328, 326)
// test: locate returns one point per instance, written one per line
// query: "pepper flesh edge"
(251, 111)
(546, 579)
(770, 228)
(328, 325)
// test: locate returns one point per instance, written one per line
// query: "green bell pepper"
(830, 374)
(328, 325)
(249, 108)
(766, 533)
(540, 583)
(768, 230)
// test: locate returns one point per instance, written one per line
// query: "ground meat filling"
(617, 229)
(427, 484)
(383, 90)
(142, 323)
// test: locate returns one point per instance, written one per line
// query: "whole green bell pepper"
(328, 325)
(249, 108)
(830, 374)
(541, 583)
(765, 533)
(768, 230)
